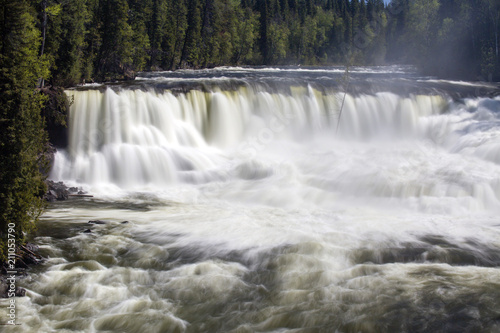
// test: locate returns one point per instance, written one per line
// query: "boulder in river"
(97, 222)
(56, 191)
(4, 290)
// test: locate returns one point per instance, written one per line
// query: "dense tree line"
(99, 40)
(107, 39)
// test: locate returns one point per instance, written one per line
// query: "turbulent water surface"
(268, 200)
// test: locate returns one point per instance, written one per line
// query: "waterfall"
(228, 201)
(136, 139)
(132, 136)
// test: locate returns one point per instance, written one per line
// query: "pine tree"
(264, 22)
(174, 37)
(22, 138)
(115, 57)
(247, 34)
(93, 40)
(140, 15)
(65, 41)
(192, 41)
(157, 30)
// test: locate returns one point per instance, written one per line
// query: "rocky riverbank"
(26, 255)
(58, 191)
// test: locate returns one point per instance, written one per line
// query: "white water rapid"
(259, 207)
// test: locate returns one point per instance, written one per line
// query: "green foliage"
(247, 34)
(54, 10)
(65, 41)
(421, 22)
(277, 39)
(140, 13)
(22, 138)
(191, 50)
(175, 34)
(140, 47)
(115, 52)
(113, 39)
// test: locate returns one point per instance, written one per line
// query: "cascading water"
(134, 138)
(248, 211)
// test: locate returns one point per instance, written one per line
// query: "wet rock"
(27, 255)
(87, 231)
(50, 197)
(49, 156)
(73, 189)
(97, 222)
(20, 292)
(4, 290)
(56, 191)
(124, 222)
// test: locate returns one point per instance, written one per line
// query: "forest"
(96, 40)
(50, 44)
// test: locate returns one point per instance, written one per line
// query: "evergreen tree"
(65, 41)
(191, 48)
(173, 40)
(115, 57)
(140, 14)
(22, 138)
(246, 36)
(93, 40)
(112, 39)
(157, 32)
(264, 22)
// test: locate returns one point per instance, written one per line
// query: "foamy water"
(253, 209)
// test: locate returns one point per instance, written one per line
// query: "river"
(274, 200)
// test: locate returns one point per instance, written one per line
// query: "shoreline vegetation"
(98, 41)
(47, 45)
